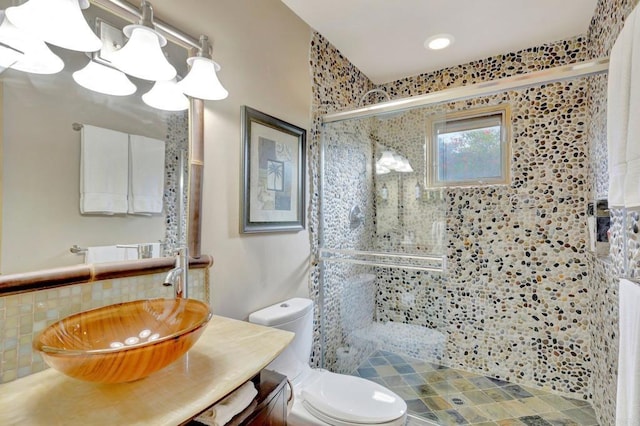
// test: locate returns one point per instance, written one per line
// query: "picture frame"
(273, 174)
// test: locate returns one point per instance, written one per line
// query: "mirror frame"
(81, 273)
(196, 172)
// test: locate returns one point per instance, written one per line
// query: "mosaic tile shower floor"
(446, 396)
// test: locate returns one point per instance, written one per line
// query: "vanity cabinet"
(269, 407)
(227, 354)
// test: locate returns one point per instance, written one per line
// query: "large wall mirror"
(41, 161)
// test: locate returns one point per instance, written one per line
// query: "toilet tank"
(294, 315)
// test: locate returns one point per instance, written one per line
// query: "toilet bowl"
(322, 397)
(326, 398)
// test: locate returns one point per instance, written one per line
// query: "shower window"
(470, 148)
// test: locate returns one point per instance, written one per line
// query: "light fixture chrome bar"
(131, 13)
(551, 75)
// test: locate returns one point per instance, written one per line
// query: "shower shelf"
(410, 261)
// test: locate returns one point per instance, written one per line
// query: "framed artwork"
(273, 174)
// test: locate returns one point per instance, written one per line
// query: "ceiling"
(385, 38)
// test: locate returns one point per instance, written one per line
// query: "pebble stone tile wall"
(605, 26)
(23, 316)
(546, 312)
(177, 141)
(515, 292)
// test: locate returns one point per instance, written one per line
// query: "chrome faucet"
(178, 276)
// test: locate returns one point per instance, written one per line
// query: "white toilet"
(322, 397)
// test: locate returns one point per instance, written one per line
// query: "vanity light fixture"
(167, 96)
(104, 79)
(387, 160)
(59, 22)
(403, 165)
(202, 80)
(8, 56)
(381, 170)
(393, 162)
(142, 55)
(34, 54)
(62, 23)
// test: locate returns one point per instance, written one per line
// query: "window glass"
(471, 149)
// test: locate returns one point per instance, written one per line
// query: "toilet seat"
(337, 422)
(346, 400)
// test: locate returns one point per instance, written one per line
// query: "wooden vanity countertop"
(228, 353)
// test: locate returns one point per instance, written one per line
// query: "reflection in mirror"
(41, 218)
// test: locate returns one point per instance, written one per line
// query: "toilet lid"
(353, 399)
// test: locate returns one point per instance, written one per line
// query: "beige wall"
(263, 49)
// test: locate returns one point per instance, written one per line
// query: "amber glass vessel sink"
(125, 341)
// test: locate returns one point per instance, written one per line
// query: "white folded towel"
(135, 251)
(146, 175)
(99, 254)
(104, 170)
(628, 399)
(619, 84)
(221, 413)
(130, 251)
(632, 177)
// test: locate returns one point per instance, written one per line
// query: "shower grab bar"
(383, 265)
(382, 254)
(411, 261)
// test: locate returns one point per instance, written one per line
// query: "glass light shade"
(59, 22)
(103, 79)
(37, 57)
(387, 160)
(167, 96)
(142, 55)
(381, 170)
(404, 166)
(8, 57)
(202, 81)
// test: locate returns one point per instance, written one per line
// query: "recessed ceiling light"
(438, 41)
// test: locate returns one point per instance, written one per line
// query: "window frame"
(431, 147)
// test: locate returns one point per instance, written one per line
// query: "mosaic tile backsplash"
(523, 299)
(23, 316)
